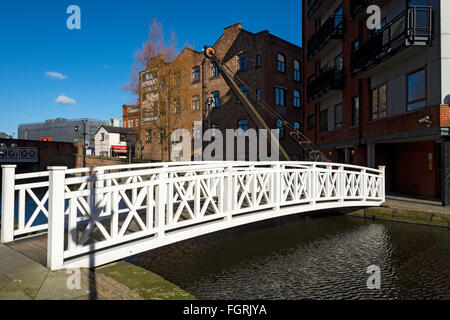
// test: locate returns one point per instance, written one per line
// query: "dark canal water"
(309, 258)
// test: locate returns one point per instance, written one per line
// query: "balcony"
(358, 7)
(329, 81)
(408, 32)
(317, 8)
(326, 38)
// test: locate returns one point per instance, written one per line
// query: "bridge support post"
(341, 184)
(277, 186)
(383, 183)
(56, 218)
(8, 186)
(313, 184)
(161, 201)
(228, 193)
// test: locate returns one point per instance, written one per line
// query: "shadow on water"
(304, 257)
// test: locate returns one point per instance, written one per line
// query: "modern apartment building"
(269, 66)
(380, 97)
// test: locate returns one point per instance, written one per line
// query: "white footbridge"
(94, 216)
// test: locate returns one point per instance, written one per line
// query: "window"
(196, 74)
(258, 93)
(258, 61)
(338, 116)
(242, 62)
(355, 111)
(148, 136)
(163, 108)
(280, 128)
(196, 103)
(216, 99)
(379, 102)
(102, 137)
(416, 90)
(176, 106)
(244, 91)
(137, 122)
(280, 96)
(311, 122)
(296, 125)
(243, 124)
(296, 98)
(162, 84)
(177, 79)
(338, 61)
(281, 63)
(214, 71)
(355, 44)
(323, 121)
(123, 137)
(296, 71)
(131, 124)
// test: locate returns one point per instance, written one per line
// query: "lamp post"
(77, 129)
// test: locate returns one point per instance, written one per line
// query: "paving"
(23, 278)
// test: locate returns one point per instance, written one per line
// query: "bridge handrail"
(172, 199)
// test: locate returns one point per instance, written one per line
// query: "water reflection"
(303, 258)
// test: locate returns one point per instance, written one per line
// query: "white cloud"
(65, 100)
(55, 75)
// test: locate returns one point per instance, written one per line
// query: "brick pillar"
(446, 171)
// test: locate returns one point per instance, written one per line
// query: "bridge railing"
(110, 212)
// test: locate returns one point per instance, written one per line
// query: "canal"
(309, 258)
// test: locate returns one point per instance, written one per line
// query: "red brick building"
(378, 97)
(131, 116)
(269, 66)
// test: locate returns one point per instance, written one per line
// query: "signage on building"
(445, 131)
(120, 149)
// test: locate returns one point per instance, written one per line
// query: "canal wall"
(399, 214)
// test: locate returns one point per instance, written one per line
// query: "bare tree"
(159, 77)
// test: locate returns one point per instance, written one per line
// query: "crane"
(233, 82)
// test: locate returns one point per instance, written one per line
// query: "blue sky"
(95, 61)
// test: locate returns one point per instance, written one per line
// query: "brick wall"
(231, 43)
(445, 116)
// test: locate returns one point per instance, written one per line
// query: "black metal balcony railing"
(413, 27)
(333, 28)
(329, 79)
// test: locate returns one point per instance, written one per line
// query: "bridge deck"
(34, 248)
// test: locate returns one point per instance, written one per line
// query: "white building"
(114, 141)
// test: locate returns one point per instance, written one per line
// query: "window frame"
(277, 100)
(321, 124)
(372, 113)
(424, 98)
(297, 72)
(242, 61)
(195, 100)
(355, 115)
(281, 63)
(336, 123)
(216, 99)
(196, 74)
(297, 99)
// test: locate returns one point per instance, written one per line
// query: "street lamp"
(77, 129)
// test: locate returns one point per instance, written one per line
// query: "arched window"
(297, 71)
(281, 63)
